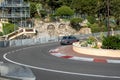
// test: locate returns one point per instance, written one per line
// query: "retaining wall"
(96, 52)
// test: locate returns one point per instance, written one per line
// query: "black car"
(68, 40)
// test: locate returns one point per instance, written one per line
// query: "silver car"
(68, 40)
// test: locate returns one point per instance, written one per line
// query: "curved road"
(48, 67)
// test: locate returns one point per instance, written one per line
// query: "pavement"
(11, 71)
(68, 53)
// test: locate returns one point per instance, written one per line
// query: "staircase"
(21, 31)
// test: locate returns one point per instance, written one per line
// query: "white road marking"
(58, 71)
(58, 54)
(113, 61)
(82, 59)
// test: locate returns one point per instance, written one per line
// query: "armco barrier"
(47, 39)
(1, 43)
(4, 43)
(23, 42)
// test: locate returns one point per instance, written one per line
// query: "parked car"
(68, 40)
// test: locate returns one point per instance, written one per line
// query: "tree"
(39, 8)
(91, 19)
(84, 6)
(115, 9)
(66, 2)
(75, 23)
(33, 9)
(54, 4)
(64, 11)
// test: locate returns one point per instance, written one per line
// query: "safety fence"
(23, 42)
(48, 39)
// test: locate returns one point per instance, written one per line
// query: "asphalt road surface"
(48, 67)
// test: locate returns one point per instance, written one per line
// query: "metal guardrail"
(23, 42)
(47, 39)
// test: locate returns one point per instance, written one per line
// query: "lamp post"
(108, 13)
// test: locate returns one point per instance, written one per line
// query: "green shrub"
(84, 44)
(37, 16)
(103, 28)
(111, 42)
(1, 34)
(43, 13)
(64, 11)
(53, 18)
(8, 28)
(33, 9)
(75, 23)
(95, 27)
(91, 19)
(91, 39)
(117, 27)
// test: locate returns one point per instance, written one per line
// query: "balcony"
(15, 5)
(14, 15)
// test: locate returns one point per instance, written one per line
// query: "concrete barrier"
(96, 52)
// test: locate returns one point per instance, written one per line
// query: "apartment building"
(15, 11)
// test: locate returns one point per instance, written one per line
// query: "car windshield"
(69, 37)
(65, 37)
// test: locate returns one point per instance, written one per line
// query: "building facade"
(14, 10)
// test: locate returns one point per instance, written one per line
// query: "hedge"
(111, 42)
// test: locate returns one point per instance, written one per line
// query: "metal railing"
(19, 15)
(19, 32)
(23, 42)
(14, 4)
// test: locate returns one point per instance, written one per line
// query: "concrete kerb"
(55, 52)
(96, 52)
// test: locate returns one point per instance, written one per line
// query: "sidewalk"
(15, 72)
(7, 78)
(67, 52)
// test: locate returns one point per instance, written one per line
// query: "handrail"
(20, 32)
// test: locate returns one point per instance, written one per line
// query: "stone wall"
(53, 28)
(85, 31)
(59, 28)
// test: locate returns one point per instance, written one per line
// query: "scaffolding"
(15, 11)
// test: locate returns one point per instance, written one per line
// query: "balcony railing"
(15, 5)
(14, 15)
